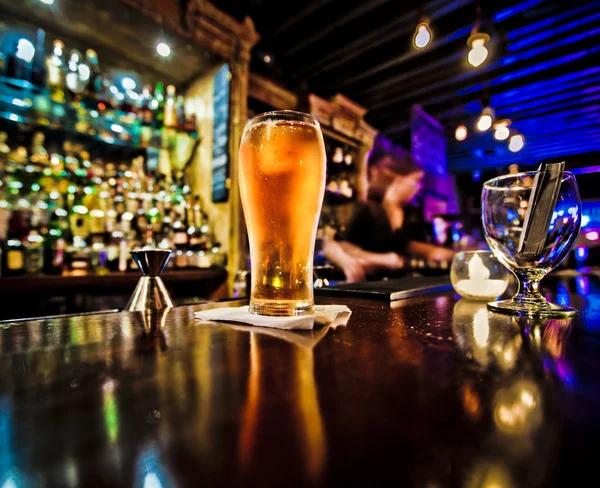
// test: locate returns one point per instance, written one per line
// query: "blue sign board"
(220, 158)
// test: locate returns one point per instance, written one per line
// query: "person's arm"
(429, 251)
(351, 266)
(356, 263)
(373, 260)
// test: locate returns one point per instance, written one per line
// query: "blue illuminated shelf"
(29, 106)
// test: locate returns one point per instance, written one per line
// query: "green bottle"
(158, 105)
(54, 244)
(34, 247)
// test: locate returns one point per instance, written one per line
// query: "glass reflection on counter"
(507, 394)
(150, 471)
(260, 428)
(518, 409)
(489, 474)
(484, 337)
(110, 410)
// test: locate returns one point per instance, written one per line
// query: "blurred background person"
(387, 228)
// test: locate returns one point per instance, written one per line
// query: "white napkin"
(333, 315)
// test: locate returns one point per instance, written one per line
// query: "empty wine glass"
(504, 206)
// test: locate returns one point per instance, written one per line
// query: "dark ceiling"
(543, 71)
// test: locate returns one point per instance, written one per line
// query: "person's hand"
(391, 260)
(354, 270)
(440, 254)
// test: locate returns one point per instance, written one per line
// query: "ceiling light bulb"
(48, 2)
(163, 49)
(516, 142)
(485, 120)
(484, 123)
(478, 52)
(422, 36)
(461, 133)
(501, 131)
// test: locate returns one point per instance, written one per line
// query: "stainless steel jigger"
(150, 292)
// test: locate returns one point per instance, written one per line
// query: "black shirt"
(370, 230)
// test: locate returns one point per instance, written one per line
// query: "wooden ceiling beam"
(308, 10)
(355, 13)
(400, 26)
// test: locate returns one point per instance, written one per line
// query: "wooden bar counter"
(427, 392)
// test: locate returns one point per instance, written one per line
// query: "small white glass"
(478, 275)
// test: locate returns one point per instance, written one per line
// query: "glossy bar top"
(427, 392)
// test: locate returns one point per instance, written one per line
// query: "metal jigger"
(150, 293)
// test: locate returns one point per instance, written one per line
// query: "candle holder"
(478, 275)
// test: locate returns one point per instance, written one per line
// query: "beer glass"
(282, 182)
(504, 207)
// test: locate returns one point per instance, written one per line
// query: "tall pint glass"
(282, 181)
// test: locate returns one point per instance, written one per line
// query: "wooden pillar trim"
(204, 23)
(271, 93)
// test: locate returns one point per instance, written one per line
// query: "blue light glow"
(577, 24)
(516, 9)
(582, 283)
(553, 56)
(581, 254)
(551, 21)
(563, 297)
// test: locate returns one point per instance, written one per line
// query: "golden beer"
(282, 181)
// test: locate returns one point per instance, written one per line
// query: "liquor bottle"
(5, 215)
(97, 217)
(158, 105)
(180, 114)
(170, 116)
(344, 187)
(146, 114)
(98, 255)
(112, 244)
(13, 253)
(338, 155)
(13, 258)
(54, 252)
(38, 72)
(190, 124)
(38, 156)
(73, 80)
(124, 255)
(18, 226)
(79, 220)
(94, 86)
(55, 69)
(34, 251)
(348, 159)
(4, 151)
(104, 95)
(180, 238)
(71, 161)
(15, 65)
(59, 234)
